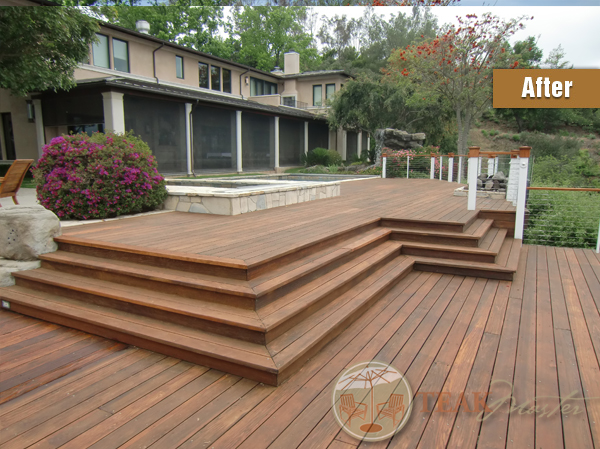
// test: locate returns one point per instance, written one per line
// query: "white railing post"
(450, 167)
(441, 166)
(472, 177)
(383, 165)
(491, 159)
(513, 178)
(496, 163)
(522, 192)
(407, 165)
(432, 169)
(459, 179)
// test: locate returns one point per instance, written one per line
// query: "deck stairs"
(261, 321)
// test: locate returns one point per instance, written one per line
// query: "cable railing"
(566, 217)
(406, 164)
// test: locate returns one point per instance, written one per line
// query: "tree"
(458, 65)
(368, 105)
(265, 33)
(41, 47)
(190, 23)
(555, 59)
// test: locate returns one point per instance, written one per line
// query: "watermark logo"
(372, 401)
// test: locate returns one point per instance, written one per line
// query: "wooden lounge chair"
(394, 406)
(11, 182)
(353, 409)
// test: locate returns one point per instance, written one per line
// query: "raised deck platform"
(261, 295)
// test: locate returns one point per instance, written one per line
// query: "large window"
(317, 95)
(203, 74)
(227, 81)
(179, 67)
(215, 77)
(121, 55)
(329, 91)
(262, 87)
(100, 52)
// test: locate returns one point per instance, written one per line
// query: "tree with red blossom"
(411, 2)
(458, 64)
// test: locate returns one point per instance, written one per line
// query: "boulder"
(27, 231)
(499, 176)
(7, 267)
(396, 140)
(489, 185)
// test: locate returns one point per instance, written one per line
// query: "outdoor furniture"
(352, 409)
(395, 406)
(11, 182)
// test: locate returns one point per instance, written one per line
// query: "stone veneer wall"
(230, 204)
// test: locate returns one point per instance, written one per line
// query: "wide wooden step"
(287, 311)
(227, 354)
(291, 350)
(219, 318)
(470, 237)
(504, 268)
(163, 279)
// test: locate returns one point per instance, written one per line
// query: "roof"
(317, 73)
(205, 97)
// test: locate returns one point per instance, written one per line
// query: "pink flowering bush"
(81, 177)
(419, 166)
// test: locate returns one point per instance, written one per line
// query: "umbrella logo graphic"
(372, 401)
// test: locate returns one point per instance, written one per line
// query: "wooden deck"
(539, 333)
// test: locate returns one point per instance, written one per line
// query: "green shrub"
(547, 145)
(333, 158)
(565, 219)
(323, 156)
(516, 137)
(101, 176)
(484, 132)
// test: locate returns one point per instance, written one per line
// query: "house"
(196, 111)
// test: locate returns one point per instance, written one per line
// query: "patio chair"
(395, 406)
(352, 409)
(11, 182)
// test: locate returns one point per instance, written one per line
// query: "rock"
(27, 231)
(479, 183)
(489, 185)
(482, 177)
(496, 184)
(499, 176)
(7, 267)
(396, 140)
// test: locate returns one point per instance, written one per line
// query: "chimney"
(142, 26)
(277, 71)
(291, 63)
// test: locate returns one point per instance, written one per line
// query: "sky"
(575, 28)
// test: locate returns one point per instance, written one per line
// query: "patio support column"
(114, 115)
(39, 126)
(441, 167)
(344, 144)
(472, 177)
(276, 143)
(459, 180)
(188, 137)
(359, 144)
(450, 166)
(238, 134)
(496, 163)
(522, 193)
(305, 137)
(491, 159)
(513, 178)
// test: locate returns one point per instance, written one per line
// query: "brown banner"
(546, 88)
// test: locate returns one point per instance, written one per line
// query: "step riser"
(258, 270)
(484, 258)
(436, 240)
(339, 327)
(225, 366)
(327, 298)
(502, 219)
(190, 267)
(163, 315)
(464, 271)
(151, 284)
(421, 225)
(321, 271)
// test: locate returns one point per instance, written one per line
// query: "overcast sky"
(577, 29)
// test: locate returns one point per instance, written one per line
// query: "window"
(203, 74)
(227, 81)
(262, 87)
(121, 55)
(179, 67)
(100, 52)
(329, 91)
(317, 95)
(215, 77)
